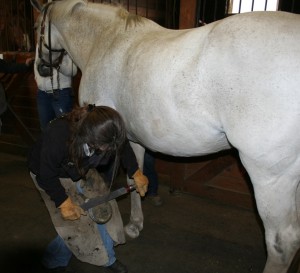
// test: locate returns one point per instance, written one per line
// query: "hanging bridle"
(45, 68)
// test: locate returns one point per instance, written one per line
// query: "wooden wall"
(187, 14)
(20, 122)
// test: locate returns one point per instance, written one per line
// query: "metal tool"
(90, 203)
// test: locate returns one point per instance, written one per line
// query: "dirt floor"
(186, 235)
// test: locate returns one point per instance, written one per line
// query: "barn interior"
(208, 222)
(186, 234)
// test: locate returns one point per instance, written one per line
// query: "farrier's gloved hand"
(141, 182)
(70, 211)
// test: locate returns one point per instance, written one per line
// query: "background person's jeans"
(150, 172)
(53, 105)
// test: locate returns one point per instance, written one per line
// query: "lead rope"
(57, 77)
(51, 63)
(50, 54)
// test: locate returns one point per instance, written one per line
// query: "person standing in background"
(150, 172)
(7, 67)
(55, 93)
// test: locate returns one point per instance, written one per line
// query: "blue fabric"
(53, 105)
(150, 172)
(57, 254)
(108, 243)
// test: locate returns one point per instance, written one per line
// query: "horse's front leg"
(135, 225)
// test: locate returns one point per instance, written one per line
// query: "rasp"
(90, 203)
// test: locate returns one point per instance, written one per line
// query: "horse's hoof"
(139, 225)
(132, 231)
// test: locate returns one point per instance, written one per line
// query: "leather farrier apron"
(82, 236)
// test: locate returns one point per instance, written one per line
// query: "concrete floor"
(186, 235)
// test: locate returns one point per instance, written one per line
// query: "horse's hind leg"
(135, 225)
(276, 203)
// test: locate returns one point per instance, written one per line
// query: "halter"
(51, 64)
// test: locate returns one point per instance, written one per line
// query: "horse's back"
(230, 77)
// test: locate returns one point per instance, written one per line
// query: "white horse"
(232, 83)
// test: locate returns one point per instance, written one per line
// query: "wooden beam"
(187, 14)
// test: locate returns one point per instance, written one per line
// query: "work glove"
(141, 182)
(70, 211)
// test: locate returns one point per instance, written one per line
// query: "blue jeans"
(57, 254)
(150, 172)
(53, 105)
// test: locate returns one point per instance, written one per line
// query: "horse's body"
(235, 82)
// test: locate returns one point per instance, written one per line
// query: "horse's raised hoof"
(132, 230)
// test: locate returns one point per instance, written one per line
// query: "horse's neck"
(76, 43)
(93, 34)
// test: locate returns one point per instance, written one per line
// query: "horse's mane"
(131, 19)
(67, 7)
